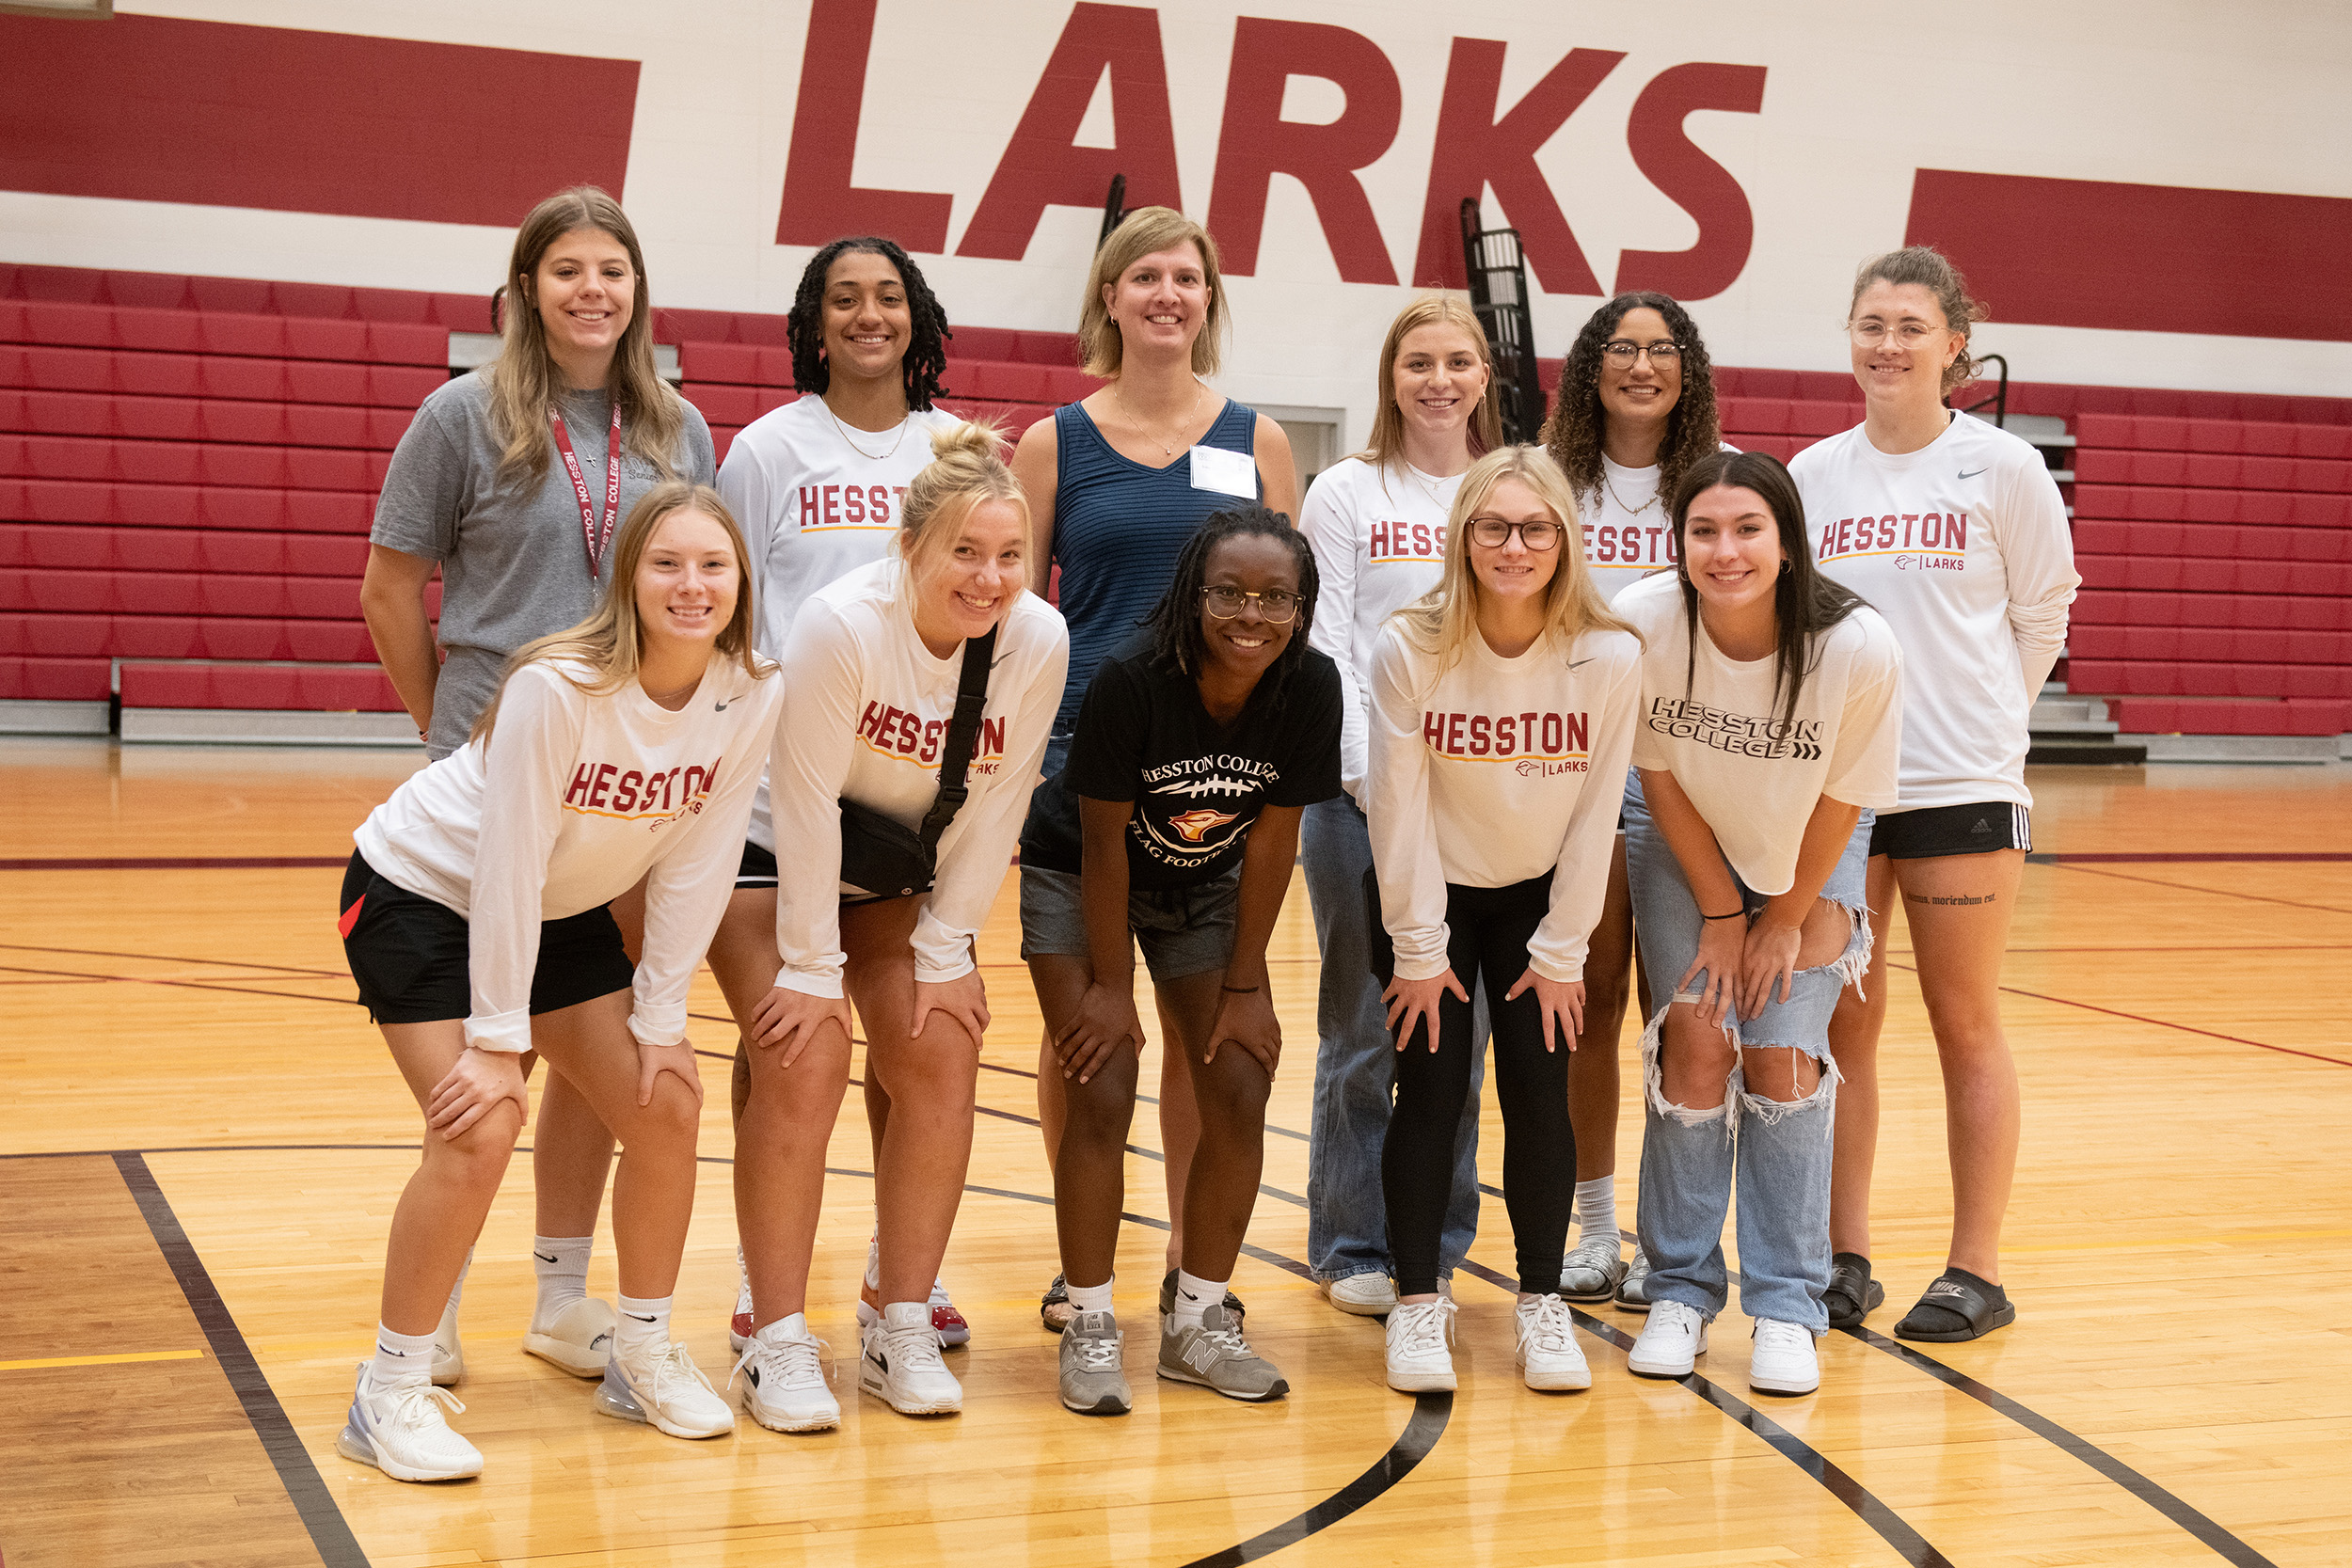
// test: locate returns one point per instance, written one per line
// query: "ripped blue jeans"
(1775, 1154)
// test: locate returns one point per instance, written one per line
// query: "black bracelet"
(1733, 915)
(1240, 991)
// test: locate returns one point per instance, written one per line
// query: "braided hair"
(805, 327)
(1577, 430)
(1175, 620)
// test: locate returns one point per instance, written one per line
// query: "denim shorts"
(1181, 931)
(1667, 923)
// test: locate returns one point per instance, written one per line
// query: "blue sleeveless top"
(1118, 528)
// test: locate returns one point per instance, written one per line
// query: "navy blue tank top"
(1118, 528)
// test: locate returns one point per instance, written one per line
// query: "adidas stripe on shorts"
(1931, 830)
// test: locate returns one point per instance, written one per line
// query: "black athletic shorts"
(409, 954)
(758, 869)
(1931, 830)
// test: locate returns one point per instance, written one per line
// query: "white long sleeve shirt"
(569, 803)
(1964, 547)
(1493, 773)
(1717, 724)
(865, 718)
(1378, 534)
(813, 508)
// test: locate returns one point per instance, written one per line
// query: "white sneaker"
(449, 1351)
(1418, 1332)
(1784, 1360)
(1671, 1341)
(402, 1433)
(579, 1339)
(948, 1322)
(787, 1390)
(899, 1364)
(740, 1325)
(1548, 1355)
(1366, 1296)
(668, 1391)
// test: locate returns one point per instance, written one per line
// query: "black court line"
(1430, 1413)
(337, 1547)
(2212, 1535)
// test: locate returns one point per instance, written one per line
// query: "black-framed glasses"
(1279, 606)
(1622, 352)
(1495, 532)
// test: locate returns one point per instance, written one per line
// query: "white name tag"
(1228, 473)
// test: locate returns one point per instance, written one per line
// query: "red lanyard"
(593, 538)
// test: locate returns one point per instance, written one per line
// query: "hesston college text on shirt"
(1738, 734)
(1933, 540)
(896, 733)
(1557, 742)
(602, 789)
(824, 506)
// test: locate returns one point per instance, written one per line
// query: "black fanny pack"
(883, 856)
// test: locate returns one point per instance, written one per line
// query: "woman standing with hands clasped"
(473, 916)
(1773, 711)
(921, 690)
(1176, 824)
(511, 481)
(1118, 483)
(1635, 409)
(1377, 523)
(1503, 713)
(1957, 532)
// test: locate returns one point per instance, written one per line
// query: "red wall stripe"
(2144, 258)
(150, 108)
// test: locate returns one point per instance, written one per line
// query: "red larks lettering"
(604, 781)
(582, 781)
(1507, 734)
(832, 505)
(1256, 143)
(878, 503)
(1044, 166)
(1475, 149)
(819, 201)
(1696, 183)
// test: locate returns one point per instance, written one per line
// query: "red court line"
(184, 862)
(2217, 892)
(185, 985)
(2159, 1022)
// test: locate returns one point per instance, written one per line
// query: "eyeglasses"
(1494, 532)
(1621, 353)
(1870, 334)
(1279, 606)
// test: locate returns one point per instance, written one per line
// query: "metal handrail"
(1495, 265)
(1999, 400)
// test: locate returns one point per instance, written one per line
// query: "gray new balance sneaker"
(1092, 1382)
(1214, 1354)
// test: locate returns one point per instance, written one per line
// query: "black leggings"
(1489, 929)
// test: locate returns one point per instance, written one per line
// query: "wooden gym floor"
(203, 1140)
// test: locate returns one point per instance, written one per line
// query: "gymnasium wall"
(2148, 195)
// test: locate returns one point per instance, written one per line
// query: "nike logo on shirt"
(1970, 473)
(1579, 663)
(718, 707)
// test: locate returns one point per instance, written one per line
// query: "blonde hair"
(1932, 270)
(967, 467)
(1388, 420)
(1443, 620)
(611, 642)
(1143, 232)
(522, 379)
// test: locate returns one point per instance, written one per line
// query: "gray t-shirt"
(514, 563)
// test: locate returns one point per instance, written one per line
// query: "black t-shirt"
(1197, 784)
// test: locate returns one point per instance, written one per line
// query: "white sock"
(643, 1331)
(1596, 1207)
(457, 1292)
(400, 1359)
(1194, 1296)
(1090, 1298)
(563, 1265)
(873, 1262)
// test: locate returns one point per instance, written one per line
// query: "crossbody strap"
(963, 734)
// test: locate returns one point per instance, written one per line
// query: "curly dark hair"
(805, 327)
(1805, 603)
(1575, 432)
(1175, 620)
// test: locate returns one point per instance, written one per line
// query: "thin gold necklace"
(1628, 510)
(870, 456)
(1127, 411)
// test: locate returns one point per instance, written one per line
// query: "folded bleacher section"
(188, 466)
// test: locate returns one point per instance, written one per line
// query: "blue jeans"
(1775, 1153)
(1347, 1228)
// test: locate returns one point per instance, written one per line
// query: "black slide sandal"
(1853, 1295)
(1958, 1307)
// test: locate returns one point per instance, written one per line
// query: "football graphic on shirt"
(1195, 825)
